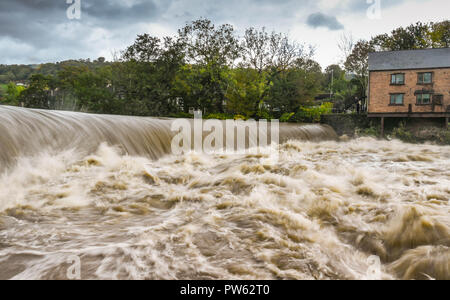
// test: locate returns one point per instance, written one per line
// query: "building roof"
(409, 59)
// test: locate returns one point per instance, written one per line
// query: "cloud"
(36, 31)
(317, 20)
(46, 34)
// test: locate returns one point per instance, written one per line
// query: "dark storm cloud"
(116, 11)
(23, 19)
(43, 24)
(33, 20)
(321, 20)
(41, 30)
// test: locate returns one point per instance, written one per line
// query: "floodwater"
(106, 190)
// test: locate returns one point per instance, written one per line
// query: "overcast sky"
(36, 31)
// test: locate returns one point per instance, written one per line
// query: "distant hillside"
(22, 73)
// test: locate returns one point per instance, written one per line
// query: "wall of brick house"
(380, 89)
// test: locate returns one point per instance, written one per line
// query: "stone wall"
(347, 123)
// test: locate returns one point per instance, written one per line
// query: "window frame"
(397, 104)
(396, 74)
(420, 103)
(422, 74)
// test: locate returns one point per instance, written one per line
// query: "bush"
(263, 115)
(286, 117)
(436, 134)
(371, 131)
(218, 116)
(403, 134)
(313, 114)
(240, 117)
(445, 137)
(428, 134)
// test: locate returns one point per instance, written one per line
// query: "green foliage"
(358, 64)
(314, 113)
(427, 133)
(3, 89)
(38, 94)
(371, 131)
(263, 114)
(444, 137)
(12, 94)
(402, 133)
(219, 116)
(440, 34)
(415, 36)
(240, 117)
(286, 117)
(294, 88)
(23, 73)
(246, 92)
(262, 75)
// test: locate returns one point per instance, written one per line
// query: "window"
(423, 99)
(397, 99)
(398, 79)
(425, 78)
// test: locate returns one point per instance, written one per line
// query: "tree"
(13, 93)
(346, 43)
(415, 36)
(294, 88)
(272, 52)
(440, 34)
(92, 89)
(38, 94)
(207, 45)
(246, 92)
(146, 48)
(148, 69)
(358, 64)
(212, 50)
(333, 77)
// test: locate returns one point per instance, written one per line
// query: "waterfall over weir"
(28, 132)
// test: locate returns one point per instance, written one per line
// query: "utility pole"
(331, 87)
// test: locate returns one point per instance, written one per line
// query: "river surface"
(106, 190)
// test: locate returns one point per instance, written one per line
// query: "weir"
(28, 132)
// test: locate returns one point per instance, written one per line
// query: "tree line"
(207, 67)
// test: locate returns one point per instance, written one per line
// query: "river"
(106, 190)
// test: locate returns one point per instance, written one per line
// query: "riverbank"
(414, 131)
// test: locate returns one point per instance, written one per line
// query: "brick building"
(409, 84)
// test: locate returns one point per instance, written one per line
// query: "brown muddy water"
(106, 190)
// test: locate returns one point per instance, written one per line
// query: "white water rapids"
(116, 199)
